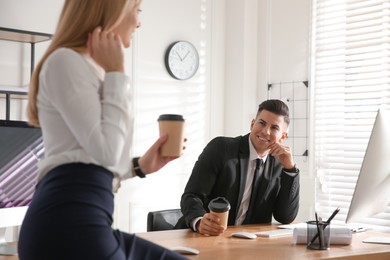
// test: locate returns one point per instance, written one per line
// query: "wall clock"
(181, 60)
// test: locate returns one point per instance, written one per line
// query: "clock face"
(182, 60)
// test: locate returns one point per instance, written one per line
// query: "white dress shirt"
(85, 114)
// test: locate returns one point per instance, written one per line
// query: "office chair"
(163, 219)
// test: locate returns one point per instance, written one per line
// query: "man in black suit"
(226, 168)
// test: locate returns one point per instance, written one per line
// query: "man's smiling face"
(267, 128)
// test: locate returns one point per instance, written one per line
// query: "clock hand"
(179, 56)
(185, 56)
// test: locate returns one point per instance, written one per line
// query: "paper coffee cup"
(220, 207)
(173, 126)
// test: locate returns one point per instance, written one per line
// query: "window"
(351, 81)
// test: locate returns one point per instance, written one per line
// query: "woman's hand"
(106, 48)
(152, 160)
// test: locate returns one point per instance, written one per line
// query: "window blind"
(18, 175)
(351, 81)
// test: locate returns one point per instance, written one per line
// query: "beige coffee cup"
(220, 207)
(173, 126)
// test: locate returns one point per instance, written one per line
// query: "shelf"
(22, 36)
(14, 90)
(16, 35)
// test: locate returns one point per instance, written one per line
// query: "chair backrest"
(163, 219)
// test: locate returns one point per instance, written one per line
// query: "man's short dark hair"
(275, 106)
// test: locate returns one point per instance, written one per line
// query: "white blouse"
(85, 114)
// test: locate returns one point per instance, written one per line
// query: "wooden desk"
(226, 247)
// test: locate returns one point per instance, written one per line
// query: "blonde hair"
(78, 18)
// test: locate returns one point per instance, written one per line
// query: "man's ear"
(284, 136)
(252, 123)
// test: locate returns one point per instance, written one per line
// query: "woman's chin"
(127, 43)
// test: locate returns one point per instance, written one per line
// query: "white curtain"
(351, 81)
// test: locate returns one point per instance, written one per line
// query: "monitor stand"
(5, 248)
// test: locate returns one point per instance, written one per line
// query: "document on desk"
(377, 240)
(353, 228)
(339, 235)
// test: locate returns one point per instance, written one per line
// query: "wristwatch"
(137, 169)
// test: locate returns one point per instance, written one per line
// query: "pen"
(318, 231)
(321, 232)
(333, 215)
(327, 223)
(359, 229)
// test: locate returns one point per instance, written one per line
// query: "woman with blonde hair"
(80, 97)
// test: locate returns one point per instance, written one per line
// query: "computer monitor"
(372, 191)
(21, 147)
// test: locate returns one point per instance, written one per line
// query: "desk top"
(225, 247)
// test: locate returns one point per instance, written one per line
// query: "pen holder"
(318, 235)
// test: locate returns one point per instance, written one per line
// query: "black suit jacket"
(221, 171)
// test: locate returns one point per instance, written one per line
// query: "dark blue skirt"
(70, 217)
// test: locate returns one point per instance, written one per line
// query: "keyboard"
(282, 232)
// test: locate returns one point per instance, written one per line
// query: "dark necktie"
(255, 183)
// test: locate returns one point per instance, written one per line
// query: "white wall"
(244, 44)
(288, 64)
(241, 98)
(157, 92)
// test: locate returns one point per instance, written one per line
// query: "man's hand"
(210, 225)
(284, 154)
